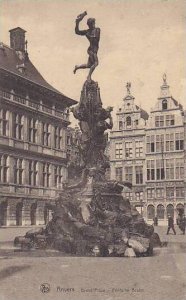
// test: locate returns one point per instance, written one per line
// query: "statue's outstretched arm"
(78, 20)
(79, 32)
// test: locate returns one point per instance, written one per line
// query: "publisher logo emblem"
(45, 288)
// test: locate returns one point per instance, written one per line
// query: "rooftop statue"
(93, 35)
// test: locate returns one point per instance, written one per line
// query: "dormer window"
(164, 104)
(21, 68)
(128, 121)
(2, 47)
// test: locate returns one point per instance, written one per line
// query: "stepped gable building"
(33, 148)
(165, 157)
(127, 149)
(185, 161)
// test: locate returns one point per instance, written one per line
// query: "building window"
(46, 174)
(68, 154)
(58, 175)
(179, 192)
(3, 122)
(128, 121)
(119, 173)
(180, 208)
(169, 142)
(118, 150)
(128, 195)
(58, 138)
(18, 174)
(150, 212)
(164, 104)
(169, 169)
(139, 148)
(160, 143)
(169, 121)
(33, 173)
(128, 149)
(159, 121)
(170, 210)
(68, 140)
(150, 170)
(160, 172)
(4, 168)
(32, 127)
(120, 125)
(139, 175)
(18, 126)
(179, 141)
(150, 193)
(128, 174)
(139, 196)
(160, 211)
(179, 164)
(150, 143)
(46, 134)
(170, 192)
(160, 193)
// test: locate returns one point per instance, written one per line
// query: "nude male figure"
(93, 35)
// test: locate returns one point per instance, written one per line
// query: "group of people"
(181, 223)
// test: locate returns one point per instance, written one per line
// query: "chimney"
(17, 39)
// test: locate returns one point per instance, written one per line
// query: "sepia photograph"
(92, 149)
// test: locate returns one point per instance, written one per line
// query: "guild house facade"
(150, 154)
(127, 149)
(33, 137)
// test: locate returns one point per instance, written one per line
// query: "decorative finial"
(164, 79)
(128, 86)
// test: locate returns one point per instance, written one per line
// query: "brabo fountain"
(91, 217)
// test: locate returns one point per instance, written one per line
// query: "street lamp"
(141, 205)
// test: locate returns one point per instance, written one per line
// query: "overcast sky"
(140, 40)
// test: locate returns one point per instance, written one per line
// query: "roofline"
(16, 29)
(40, 85)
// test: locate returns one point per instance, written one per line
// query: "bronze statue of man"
(93, 35)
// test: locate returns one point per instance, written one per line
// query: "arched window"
(33, 209)
(128, 121)
(150, 212)
(4, 168)
(120, 125)
(164, 104)
(170, 210)
(180, 209)
(160, 211)
(19, 210)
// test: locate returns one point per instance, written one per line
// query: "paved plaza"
(161, 277)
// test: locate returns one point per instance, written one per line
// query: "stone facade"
(157, 174)
(33, 138)
(165, 157)
(127, 149)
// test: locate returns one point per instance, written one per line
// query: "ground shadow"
(7, 272)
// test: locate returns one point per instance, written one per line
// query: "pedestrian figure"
(155, 221)
(182, 224)
(170, 224)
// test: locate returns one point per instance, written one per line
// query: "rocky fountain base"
(91, 217)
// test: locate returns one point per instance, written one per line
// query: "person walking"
(170, 224)
(155, 221)
(182, 224)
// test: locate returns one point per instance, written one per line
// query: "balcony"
(34, 105)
